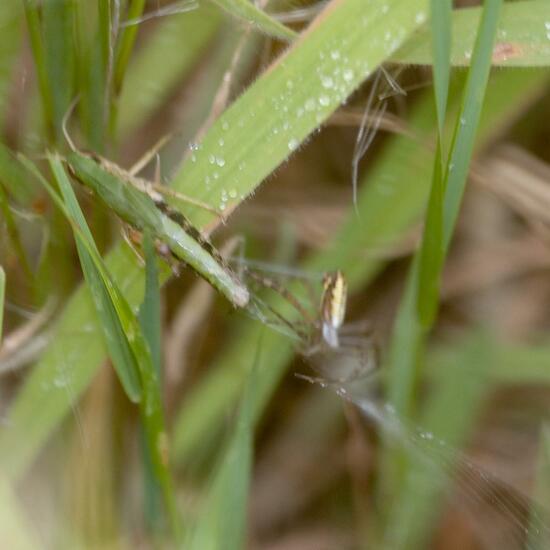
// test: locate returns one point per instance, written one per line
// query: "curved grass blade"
(522, 38)
(108, 305)
(139, 210)
(243, 9)
(131, 337)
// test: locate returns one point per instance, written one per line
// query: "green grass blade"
(149, 311)
(93, 40)
(522, 39)
(113, 328)
(416, 511)
(32, 14)
(294, 97)
(10, 45)
(455, 180)
(222, 519)
(14, 235)
(139, 359)
(243, 9)
(125, 44)
(150, 321)
(167, 55)
(14, 178)
(58, 18)
(469, 116)
(432, 251)
(411, 328)
(441, 12)
(139, 210)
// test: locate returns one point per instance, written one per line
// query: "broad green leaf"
(243, 9)
(522, 37)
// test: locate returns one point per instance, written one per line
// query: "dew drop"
(310, 104)
(220, 162)
(293, 144)
(420, 17)
(327, 82)
(348, 75)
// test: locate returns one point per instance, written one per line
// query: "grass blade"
(223, 518)
(411, 329)
(432, 252)
(294, 97)
(32, 14)
(522, 39)
(113, 328)
(139, 357)
(10, 45)
(57, 28)
(167, 55)
(149, 311)
(125, 45)
(441, 11)
(250, 13)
